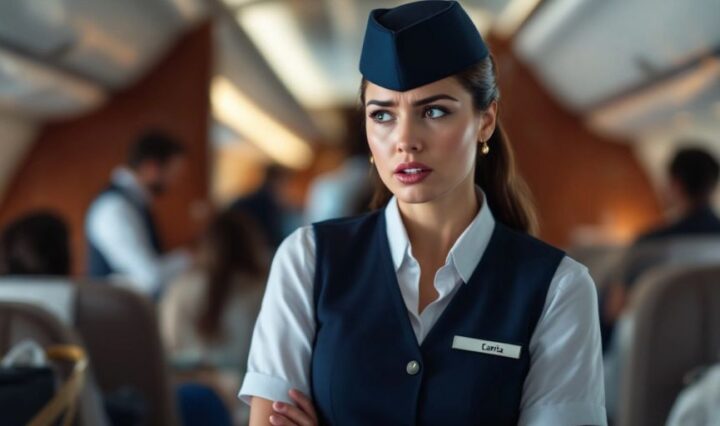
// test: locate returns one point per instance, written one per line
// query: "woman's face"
(424, 141)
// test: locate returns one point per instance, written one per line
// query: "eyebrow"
(424, 101)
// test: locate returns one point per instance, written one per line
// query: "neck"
(140, 183)
(433, 227)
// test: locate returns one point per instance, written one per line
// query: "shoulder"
(296, 250)
(571, 267)
(572, 280)
(655, 234)
(300, 239)
(109, 201)
(703, 221)
(108, 207)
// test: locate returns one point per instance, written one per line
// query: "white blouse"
(564, 385)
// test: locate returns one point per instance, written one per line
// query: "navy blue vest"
(364, 338)
(98, 266)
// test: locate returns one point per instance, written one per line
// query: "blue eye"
(435, 112)
(381, 116)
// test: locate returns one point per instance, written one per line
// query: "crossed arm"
(264, 412)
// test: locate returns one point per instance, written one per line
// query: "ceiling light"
(276, 33)
(238, 3)
(241, 114)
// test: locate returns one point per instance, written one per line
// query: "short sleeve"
(281, 347)
(565, 383)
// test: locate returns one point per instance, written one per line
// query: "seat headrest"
(55, 295)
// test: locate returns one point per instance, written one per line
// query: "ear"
(488, 121)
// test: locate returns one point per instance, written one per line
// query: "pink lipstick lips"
(411, 173)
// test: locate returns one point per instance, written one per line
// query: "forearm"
(260, 411)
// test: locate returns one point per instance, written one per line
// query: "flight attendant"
(438, 308)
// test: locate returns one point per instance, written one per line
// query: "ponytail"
(506, 191)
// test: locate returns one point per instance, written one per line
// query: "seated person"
(207, 315)
(693, 176)
(272, 206)
(699, 403)
(35, 244)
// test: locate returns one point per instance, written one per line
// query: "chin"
(415, 195)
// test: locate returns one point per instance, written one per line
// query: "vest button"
(412, 368)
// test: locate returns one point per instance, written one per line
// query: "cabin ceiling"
(60, 58)
(633, 69)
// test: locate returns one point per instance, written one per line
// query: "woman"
(207, 315)
(438, 308)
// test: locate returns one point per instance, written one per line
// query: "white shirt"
(116, 228)
(564, 385)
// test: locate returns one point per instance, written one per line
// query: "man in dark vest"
(123, 240)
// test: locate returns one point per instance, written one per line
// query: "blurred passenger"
(693, 176)
(267, 206)
(207, 315)
(699, 403)
(345, 191)
(36, 244)
(123, 240)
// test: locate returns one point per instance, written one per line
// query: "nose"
(408, 137)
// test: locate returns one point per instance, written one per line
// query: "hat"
(418, 43)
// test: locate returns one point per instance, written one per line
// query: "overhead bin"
(593, 54)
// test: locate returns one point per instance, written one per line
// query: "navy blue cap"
(418, 43)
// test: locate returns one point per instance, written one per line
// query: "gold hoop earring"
(372, 160)
(484, 148)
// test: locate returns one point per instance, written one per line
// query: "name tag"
(486, 347)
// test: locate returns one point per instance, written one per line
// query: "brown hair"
(37, 243)
(507, 193)
(235, 249)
